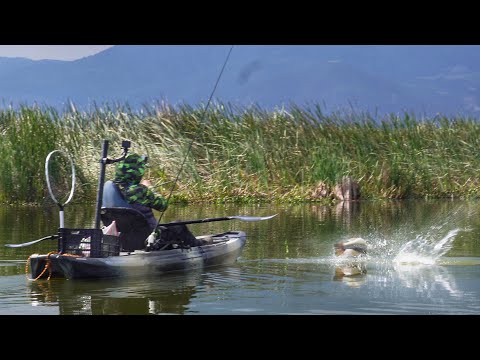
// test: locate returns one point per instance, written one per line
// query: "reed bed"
(245, 154)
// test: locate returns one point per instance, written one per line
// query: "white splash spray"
(423, 250)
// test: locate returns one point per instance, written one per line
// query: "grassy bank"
(245, 154)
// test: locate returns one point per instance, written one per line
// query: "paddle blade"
(252, 218)
(236, 217)
(31, 242)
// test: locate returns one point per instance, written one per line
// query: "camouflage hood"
(131, 169)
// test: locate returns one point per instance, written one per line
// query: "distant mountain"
(379, 79)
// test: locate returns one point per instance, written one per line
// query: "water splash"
(424, 249)
(427, 279)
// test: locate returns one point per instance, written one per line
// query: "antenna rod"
(101, 180)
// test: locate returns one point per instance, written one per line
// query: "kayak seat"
(131, 223)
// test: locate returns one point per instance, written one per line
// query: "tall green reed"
(234, 153)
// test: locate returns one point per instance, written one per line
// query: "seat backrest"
(131, 223)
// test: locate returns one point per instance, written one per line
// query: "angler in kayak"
(124, 251)
(138, 194)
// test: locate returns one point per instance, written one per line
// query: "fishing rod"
(193, 139)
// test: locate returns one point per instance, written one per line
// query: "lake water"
(424, 258)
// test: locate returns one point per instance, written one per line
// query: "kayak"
(126, 244)
(222, 249)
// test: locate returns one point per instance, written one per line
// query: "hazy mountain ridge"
(424, 79)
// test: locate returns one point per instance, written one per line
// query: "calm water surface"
(424, 259)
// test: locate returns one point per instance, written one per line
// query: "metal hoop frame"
(48, 177)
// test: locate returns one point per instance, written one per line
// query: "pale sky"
(52, 52)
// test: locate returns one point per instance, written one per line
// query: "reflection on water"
(351, 274)
(429, 279)
(398, 270)
(423, 258)
(168, 294)
(276, 286)
(381, 286)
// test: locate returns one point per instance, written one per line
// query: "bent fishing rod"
(195, 136)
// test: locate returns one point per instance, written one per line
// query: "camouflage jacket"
(128, 175)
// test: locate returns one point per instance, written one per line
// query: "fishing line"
(202, 123)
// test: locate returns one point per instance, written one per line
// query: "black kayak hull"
(224, 249)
